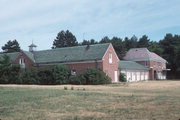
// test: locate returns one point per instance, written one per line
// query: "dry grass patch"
(158, 100)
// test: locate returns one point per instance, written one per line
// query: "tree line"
(168, 47)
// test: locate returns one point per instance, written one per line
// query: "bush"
(53, 75)
(91, 77)
(122, 77)
(61, 74)
(77, 80)
(10, 74)
(29, 76)
(45, 76)
(95, 77)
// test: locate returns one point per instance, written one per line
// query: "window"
(22, 62)
(110, 58)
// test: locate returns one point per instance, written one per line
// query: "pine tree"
(11, 46)
(64, 39)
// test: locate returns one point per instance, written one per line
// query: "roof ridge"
(72, 47)
(139, 48)
(148, 52)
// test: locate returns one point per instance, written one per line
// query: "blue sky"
(41, 20)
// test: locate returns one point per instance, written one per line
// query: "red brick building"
(140, 63)
(155, 63)
(78, 58)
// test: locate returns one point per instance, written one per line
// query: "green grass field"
(155, 100)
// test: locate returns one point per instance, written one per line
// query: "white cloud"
(26, 19)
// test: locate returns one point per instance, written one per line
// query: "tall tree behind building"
(171, 50)
(11, 46)
(64, 39)
(144, 41)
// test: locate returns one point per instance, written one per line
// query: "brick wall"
(110, 68)
(154, 67)
(81, 67)
(28, 62)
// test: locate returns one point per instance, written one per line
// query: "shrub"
(91, 76)
(45, 76)
(58, 74)
(77, 80)
(10, 74)
(14, 73)
(122, 77)
(29, 76)
(95, 76)
(61, 74)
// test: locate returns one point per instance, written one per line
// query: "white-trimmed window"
(110, 58)
(22, 62)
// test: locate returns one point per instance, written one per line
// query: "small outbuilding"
(134, 71)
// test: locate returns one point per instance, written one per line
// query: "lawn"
(155, 100)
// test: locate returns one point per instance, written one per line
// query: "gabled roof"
(142, 54)
(30, 55)
(130, 65)
(72, 54)
(66, 54)
(12, 56)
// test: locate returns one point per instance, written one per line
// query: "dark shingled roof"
(66, 54)
(72, 54)
(130, 65)
(30, 55)
(11, 55)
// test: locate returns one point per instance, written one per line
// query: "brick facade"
(28, 62)
(79, 67)
(82, 66)
(154, 67)
(110, 68)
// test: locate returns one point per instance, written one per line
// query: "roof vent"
(32, 47)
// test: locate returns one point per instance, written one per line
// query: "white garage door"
(138, 76)
(146, 76)
(128, 77)
(133, 76)
(142, 75)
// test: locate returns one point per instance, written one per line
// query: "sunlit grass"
(145, 100)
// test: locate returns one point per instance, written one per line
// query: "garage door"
(142, 75)
(146, 76)
(138, 76)
(133, 76)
